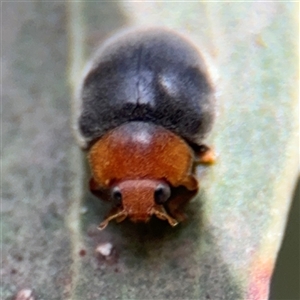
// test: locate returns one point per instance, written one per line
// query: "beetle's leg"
(205, 155)
(181, 197)
(98, 191)
(190, 182)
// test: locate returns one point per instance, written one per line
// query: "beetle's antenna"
(161, 213)
(113, 215)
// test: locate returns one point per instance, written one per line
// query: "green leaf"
(228, 247)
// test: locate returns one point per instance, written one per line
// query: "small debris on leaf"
(25, 294)
(104, 249)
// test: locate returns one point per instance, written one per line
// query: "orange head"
(138, 200)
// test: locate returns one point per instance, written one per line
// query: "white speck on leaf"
(105, 249)
(25, 294)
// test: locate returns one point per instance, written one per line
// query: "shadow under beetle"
(146, 106)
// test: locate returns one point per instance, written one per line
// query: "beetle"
(146, 105)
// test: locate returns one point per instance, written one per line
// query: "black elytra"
(152, 75)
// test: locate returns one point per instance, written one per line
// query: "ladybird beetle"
(146, 106)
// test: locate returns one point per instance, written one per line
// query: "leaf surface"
(228, 246)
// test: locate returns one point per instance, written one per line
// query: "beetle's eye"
(162, 194)
(116, 196)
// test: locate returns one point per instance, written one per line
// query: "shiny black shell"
(149, 75)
